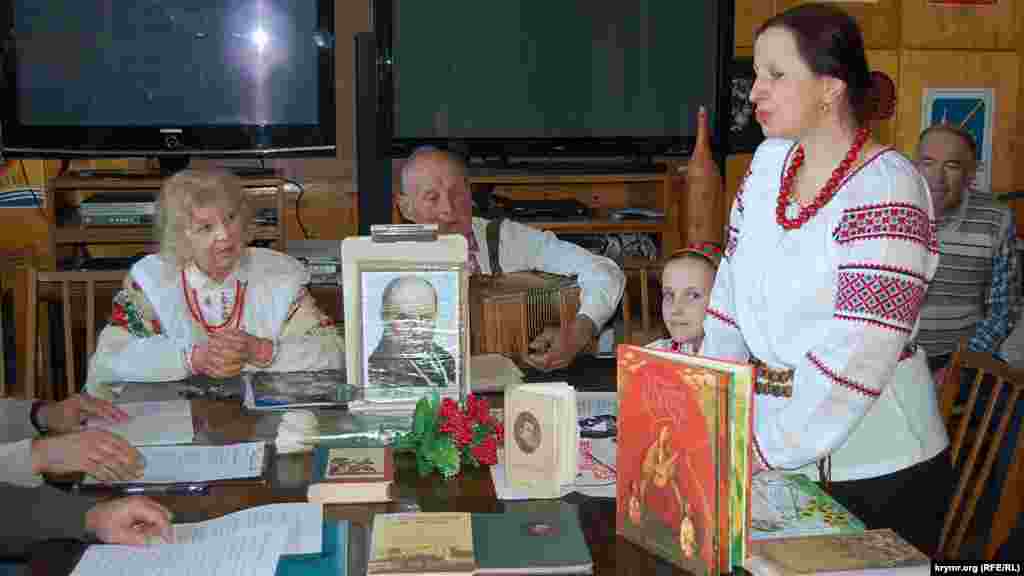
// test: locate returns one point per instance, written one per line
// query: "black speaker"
(372, 138)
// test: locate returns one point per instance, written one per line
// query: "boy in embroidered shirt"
(686, 282)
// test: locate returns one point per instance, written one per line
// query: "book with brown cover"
(873, 550)
(345, 475)
(422, 543)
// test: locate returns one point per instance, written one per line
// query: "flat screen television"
(552, 78)
(114, 78)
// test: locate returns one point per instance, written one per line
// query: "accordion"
(508, 311)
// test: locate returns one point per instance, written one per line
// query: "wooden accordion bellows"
(507, 311)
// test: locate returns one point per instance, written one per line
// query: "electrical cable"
(298, 207)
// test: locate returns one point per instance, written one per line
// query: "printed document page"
(196, 464)
(302, 520)
(253, 551)
(152, 423)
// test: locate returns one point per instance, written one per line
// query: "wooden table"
(289, 475)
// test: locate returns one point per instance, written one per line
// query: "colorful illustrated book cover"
(672, 448)
(736, 466)
(786, 505)
(422, 542)
(353, 465)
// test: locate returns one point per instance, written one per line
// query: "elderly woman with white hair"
(208, 303)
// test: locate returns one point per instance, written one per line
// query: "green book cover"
(535, 538)
(333, 561)
(789, 504)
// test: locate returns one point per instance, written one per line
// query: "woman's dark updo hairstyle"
(830, 43)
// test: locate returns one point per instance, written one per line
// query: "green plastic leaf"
(422, 417)
(445, 456)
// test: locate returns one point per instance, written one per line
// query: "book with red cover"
(683, 457)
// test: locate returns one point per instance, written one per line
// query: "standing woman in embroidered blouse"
(208, 303)
(829, 253)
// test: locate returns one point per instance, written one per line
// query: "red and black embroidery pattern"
(732, 236)
(897, 220)
(841, 381)
(722, 317)
(885, 296)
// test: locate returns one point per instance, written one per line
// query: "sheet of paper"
(588, 485)
(591, 404)
(254, 551)
(193, 464)
(302, 520)
(153, 423)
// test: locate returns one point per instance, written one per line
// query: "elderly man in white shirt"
(434, 191)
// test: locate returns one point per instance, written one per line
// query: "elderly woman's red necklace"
(822, 198)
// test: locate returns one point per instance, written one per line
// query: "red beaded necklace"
(827, 191)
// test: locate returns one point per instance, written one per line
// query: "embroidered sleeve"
(722, 336)
(133, 312)
(1003, 302)
(133, 346)
(887, 254)
(309, 339)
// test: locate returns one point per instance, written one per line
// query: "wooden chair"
(975, 445)
(64, 286)
(14, 266)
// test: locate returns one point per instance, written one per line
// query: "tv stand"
(566, 167)
(170, 165)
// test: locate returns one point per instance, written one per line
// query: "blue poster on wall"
(970, 110)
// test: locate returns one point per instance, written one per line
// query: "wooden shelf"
(64, 235)
(69, 190)
(598, 226)
(565, 178)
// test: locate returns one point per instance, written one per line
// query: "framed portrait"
(744, 131)
(406, 319)
(971, 109)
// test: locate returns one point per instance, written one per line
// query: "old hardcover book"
(351, 475)
(683, 457)
(421, 543)
(531, 538)
(873, 551)
(541, 438)
(289, 390)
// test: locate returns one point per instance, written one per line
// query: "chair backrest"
(14, 266)
(974, 445)
(64, 286)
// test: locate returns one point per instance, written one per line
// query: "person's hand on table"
(98, 453)
(133, 520)
(259, 351)
(554, 348)
(69, 415)
(219, 357)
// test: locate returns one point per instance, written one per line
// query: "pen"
(177, 490)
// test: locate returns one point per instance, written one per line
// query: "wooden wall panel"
(887, 61)
(349, 18)
(947, 69)
(980, 28)
(749, 15)
(879, 21)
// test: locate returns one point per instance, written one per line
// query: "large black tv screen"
(559, 72)
(195, 76)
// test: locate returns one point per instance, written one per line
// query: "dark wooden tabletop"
(288, 478)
